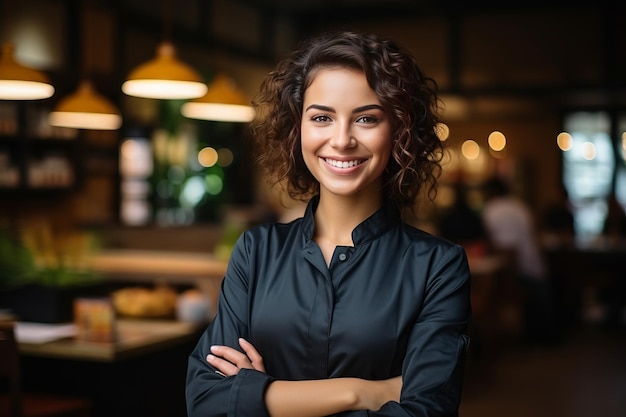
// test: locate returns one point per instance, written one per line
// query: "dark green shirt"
(397, 302)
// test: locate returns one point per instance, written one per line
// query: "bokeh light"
(470, 149)
(564, 141)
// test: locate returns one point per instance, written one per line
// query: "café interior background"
(534, 92)
(527, 72)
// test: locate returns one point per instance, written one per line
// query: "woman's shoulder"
(427, 242)
(420, 235)
(436, 255)
(272, 230)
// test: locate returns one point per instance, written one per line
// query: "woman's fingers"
(229, 361)
(232, 355)
(222, 366)
(253, 355)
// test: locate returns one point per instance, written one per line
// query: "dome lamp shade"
(222, 102)
(164, 77)
(19, 82)
(86, 109)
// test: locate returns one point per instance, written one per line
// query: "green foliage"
(17, 264)
(60, 276)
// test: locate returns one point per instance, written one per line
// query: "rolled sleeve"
(247, 394)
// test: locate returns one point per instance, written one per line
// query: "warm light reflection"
(624, 145)
(470, 149)
(564, 141)
(442, 131)
(497, 141)
(163, 89)
(588, 150)
(207, 157)
(85, 120)
(218, 112)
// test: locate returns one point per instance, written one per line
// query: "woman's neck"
(337, 216)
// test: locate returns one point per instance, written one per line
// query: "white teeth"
(342, 164)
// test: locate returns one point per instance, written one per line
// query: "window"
(588, 170)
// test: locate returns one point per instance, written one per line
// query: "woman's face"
(346, 134)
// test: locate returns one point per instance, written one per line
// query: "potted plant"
(41, 273)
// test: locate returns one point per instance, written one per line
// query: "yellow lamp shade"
(222, 102)
(18, 82)
(86, 109)
(164, 77)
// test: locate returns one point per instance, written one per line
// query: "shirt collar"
(369, 229)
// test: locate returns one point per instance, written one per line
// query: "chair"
(18, 403)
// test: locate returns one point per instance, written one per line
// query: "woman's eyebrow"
(356, 110)
(368, 107)
(320, 107)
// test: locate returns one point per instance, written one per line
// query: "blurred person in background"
(511, 231)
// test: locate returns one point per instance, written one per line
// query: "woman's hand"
(228, 361)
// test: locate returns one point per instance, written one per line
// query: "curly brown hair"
(407, 95)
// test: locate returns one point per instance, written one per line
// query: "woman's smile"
(343, 164)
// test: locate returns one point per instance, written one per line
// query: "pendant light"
(86, 109)
(164, 77)
(222, 102)
(18, 82)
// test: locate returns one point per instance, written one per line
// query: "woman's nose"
(343, 137)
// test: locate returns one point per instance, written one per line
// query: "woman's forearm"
(317, 398)
(307, 398)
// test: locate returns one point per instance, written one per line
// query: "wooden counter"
(155, 264)
(135, 338)
(202, 270)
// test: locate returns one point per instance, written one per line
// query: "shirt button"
(342, 256)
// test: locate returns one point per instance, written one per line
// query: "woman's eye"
(321, 118)
(367, 119)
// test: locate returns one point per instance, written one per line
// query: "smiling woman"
(349, 123)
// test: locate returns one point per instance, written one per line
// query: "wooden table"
(142, 374)
(134, 338)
